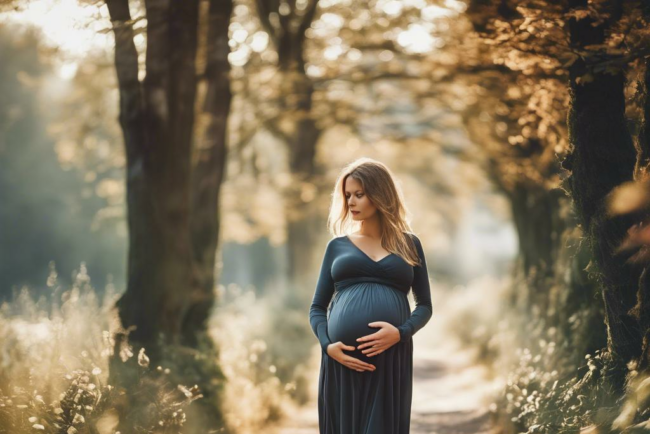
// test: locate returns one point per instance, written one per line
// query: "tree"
(595, 47)
(172, 186)
(597, 121)
(286, 24)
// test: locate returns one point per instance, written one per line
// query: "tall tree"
(286, 24)
(172, 191)
(521, 91)
(592, 45)
(603, 157)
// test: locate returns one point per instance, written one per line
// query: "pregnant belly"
(356, 306)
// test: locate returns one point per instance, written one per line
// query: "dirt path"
(450, 394)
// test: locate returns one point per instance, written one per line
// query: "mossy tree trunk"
(603, 157)
(641, 311)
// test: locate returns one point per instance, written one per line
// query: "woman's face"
(360, 206)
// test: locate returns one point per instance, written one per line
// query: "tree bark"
(172, 206)
(536, 214)
(603, 157)
(642, 309)
(209, 170)
(158, 139)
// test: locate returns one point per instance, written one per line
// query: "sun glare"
(75, 29)
(418, 39)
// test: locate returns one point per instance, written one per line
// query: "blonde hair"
(384, 193)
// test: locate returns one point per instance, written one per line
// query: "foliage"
(81, 407)
(547, 393)
(55, 370)
(261, 341)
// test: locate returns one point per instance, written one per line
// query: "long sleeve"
(422, 295)
(322, 298)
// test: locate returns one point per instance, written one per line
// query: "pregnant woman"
(360, 311)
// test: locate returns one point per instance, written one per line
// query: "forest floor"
(451, 393)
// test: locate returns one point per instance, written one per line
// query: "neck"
(371, 227)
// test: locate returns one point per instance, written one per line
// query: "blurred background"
(169, 166)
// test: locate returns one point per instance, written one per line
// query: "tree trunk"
(603, 157)
(642, 309)
(172, 207)
(536, 213)
(209, 170)
(304, 222)
(158, 138)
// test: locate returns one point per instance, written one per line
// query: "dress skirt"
(368, 402)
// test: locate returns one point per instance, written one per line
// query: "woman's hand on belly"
(335, 351)
(379, 341)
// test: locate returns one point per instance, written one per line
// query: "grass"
(54, 361)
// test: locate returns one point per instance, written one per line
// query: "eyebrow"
(356, 191)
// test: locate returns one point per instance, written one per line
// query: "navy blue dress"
(352, 291)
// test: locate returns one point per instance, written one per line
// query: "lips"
(355, 212)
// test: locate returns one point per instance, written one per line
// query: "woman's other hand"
(335, 351)
(379, 341)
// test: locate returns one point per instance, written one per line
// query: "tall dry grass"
(54, 354)
(266, 352)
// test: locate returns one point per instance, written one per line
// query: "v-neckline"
(365, 254)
